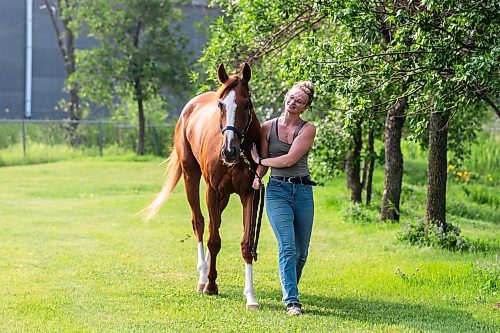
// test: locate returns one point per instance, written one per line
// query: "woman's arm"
(264, 151)
(302, 143)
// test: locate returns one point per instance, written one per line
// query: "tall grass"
(48, 142)
(485, 154)
(38, 153)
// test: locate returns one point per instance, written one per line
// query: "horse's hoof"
(253, 307)
(200, 288)
(206, 291)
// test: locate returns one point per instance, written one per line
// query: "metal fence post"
(23, 137)
(100, 139)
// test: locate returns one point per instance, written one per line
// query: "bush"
(442, 236)
(357, 213)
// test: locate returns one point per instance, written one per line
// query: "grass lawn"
(76, 258)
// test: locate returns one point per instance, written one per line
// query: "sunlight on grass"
(75, 257)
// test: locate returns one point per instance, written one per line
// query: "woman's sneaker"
(294, 309)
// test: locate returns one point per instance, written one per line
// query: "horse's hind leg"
(192, 175)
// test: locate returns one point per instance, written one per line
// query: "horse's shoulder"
(198, 102)
(204, 98)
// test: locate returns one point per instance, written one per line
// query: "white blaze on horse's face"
(231, 146)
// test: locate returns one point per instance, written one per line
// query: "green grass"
(75, 258)
(39, 153)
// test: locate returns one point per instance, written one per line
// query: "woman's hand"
(255, 154)
(257, 183)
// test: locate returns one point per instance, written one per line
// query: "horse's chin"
(228, 164)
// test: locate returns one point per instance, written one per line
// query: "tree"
(458, 38)
(399, 58)
(62, 15)
(139, 54)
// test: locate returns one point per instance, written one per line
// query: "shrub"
(357, 213)
(442, 236)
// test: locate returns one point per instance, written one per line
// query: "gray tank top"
(279, 148)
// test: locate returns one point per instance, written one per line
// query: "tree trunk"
(66, 46)
(70, 64)
(353, 167)
(365, 171)
(370, 162)
(142, 122)
(74, 116)
(438, 163)
(393, 158)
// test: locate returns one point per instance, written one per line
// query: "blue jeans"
(290, 208)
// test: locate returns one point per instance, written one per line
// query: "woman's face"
(296, 101)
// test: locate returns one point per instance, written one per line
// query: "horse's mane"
(229, 84)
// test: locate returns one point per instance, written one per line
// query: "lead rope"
(259, 222)
(256, 221)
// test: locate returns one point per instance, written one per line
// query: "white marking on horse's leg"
(207, 259)
(202, 267)
(249, 292)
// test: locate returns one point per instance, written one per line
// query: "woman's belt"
(296, 180)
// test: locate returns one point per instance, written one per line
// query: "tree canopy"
(139, 53)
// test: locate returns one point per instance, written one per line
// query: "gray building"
(47, 69)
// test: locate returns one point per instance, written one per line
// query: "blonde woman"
(285, 144)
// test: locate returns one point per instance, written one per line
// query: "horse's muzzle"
(230, 154)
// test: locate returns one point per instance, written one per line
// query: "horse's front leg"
(216, 202)
(192, 175)
(246, 251)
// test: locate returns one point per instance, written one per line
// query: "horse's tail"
(172, 175)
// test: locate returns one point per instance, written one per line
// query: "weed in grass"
(487, 276)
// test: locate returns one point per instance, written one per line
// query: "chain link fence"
(84, 134)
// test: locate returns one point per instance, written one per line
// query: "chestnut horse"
(213, 138)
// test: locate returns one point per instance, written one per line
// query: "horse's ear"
(221, 74)
(247, 72)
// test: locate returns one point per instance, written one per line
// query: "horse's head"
(235, 111)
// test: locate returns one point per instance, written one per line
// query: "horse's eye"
(220, 104)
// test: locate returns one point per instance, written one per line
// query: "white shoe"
(294, 309)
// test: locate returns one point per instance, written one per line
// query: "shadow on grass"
(378, 312)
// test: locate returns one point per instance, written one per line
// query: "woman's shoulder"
(307, 126)
(266, 128)
(267, 124)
